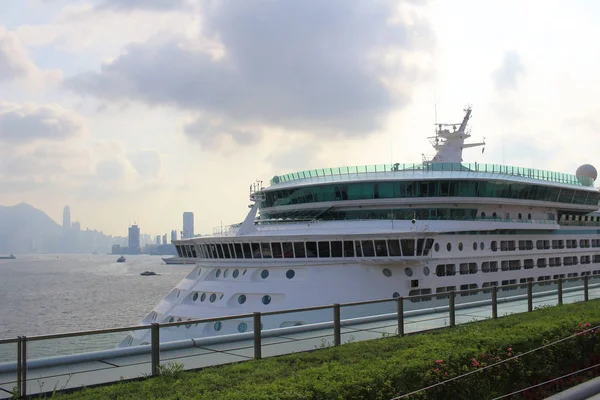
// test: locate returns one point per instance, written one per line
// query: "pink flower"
(474, 362)
(445, 374)
(439, 361)
(510, 349)
(436, 370)
(587, 324)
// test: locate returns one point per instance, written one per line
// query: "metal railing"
(531, 173)
(336, 322)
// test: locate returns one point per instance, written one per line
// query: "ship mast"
(449, 144)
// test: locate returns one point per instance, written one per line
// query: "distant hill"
(25, 229)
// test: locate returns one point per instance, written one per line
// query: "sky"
(138, 110)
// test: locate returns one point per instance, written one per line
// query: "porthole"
(225, 273)
(242, 327)
(218, 325)
(494, 215)
(449, 246)
(528, 216)
(172, 319)
(481, 246)
(408, 271)
(482, 214)
(195, 296)
(264, 273)
(290, 273)
(218, 273)
(203, 297)
(387, 272)
(436, 247)
(266, 299)
(520, 216)
(236, 273)
(426, 271)
(396, 295)
(178, 319)
(475, 246)
(213, 297)
(242, 298)
(460, 246)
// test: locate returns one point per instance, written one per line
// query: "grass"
(388, 367)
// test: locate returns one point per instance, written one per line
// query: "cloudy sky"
(138, 110)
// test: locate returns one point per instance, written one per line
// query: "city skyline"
(214, 106)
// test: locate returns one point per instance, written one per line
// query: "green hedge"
(391, 366)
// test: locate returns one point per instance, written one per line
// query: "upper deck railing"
(532, 173)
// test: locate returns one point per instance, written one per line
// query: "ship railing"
(431, 167)
(454, 307)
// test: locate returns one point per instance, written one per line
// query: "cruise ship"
(338, 235)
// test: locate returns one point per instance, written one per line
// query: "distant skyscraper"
(188, 225)
(134, 240)
(157, 240)
(76, 226)
(173, 235)
(164, 241)
(67, 218)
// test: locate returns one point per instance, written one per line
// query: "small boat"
(121, 259)
(11, 257)
(148, 273)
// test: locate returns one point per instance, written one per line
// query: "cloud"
(324, 67)
(16, 65)
(147, 163)
(155, 5)
(509, 71)
(23, 123)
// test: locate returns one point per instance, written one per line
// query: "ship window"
(520, 216)
(348, 248)
(386, 272)
(242, 327)
(449, 246)
(213, 297)
(474, 246)
(256, 250)
(529, 216)
(460, 246)
(246, 250)
(290, 273)
(203, 297)
(195, 296)
(336, 248)
(394, 248)
(494, 245)
(218, 274)
(226, 250)
(266, 250)
(277, 253)
(437, 247)
(178, 248)
(218, 325)
(172, 319)
(444, 289)
(225, 273)
(238, 250)
(528, 263)
(299, 250)
(420, 244)
(236, 273)
(541, 263)
(494, 215)
(482, 214)
(426, 271)
(324, 250)
(481, 246)
(242, 298)
(408, 271)
(287, 250)
(489, 285)
(358, 248)
(408, 247)
(381, 248)
(220, 250)
(396, 295)
(311, 249)
(367, 247)
(428, 244)
(266, 299)
(445, 270)
(264, 273)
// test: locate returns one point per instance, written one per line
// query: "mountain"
(25, 229)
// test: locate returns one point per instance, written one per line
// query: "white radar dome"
(586, 174)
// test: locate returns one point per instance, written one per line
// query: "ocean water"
(47, 294)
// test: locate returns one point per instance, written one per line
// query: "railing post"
(257, 337)
(400, 316)
(452, 309)
(337, 331)
(24, 367)
(586, 288)
(560, 292)
(529, 296)
(155, 350)
(494, 302)
(19, 367)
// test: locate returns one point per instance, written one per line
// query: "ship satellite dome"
(586, 174)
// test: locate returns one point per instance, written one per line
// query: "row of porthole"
(290, 273)
(242, 326)
(212, 298)
(436, 247)
(266, 299)
(408, 271)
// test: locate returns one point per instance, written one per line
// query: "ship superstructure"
(349, 234)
